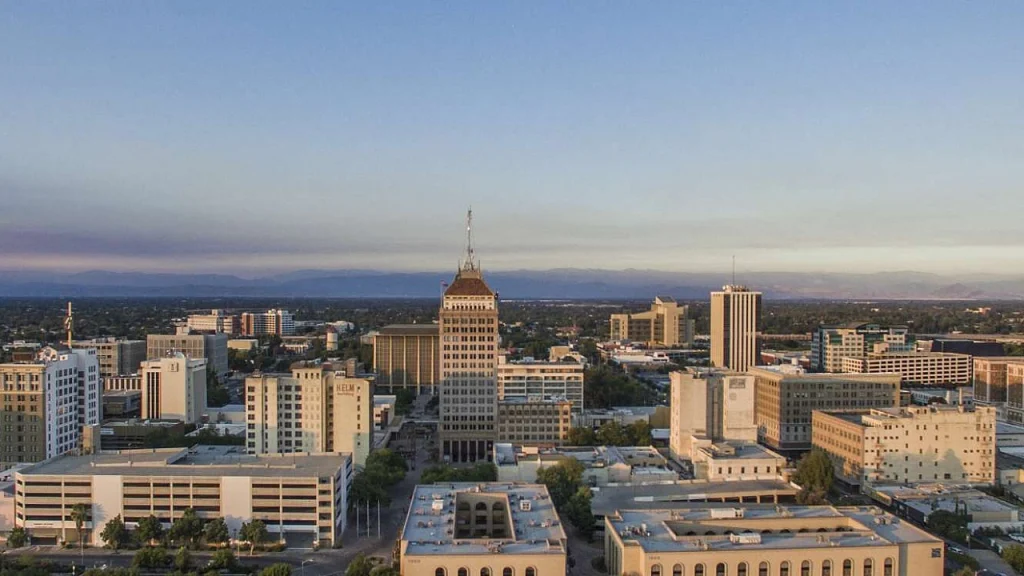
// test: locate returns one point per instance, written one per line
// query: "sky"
(251, 137)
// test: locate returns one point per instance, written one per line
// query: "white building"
(216, 321)
(274, 321)
(732, 461)
(714, 405)
(830, 344)
(174, 388)
(533, 378)
(915, 368)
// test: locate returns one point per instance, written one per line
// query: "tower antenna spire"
(469, 264)
(68, 324)
(733, 269)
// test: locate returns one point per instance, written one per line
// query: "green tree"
(580, 436)
(579, 511)
(216, 531)
(952, 525)
(612, 434)
(79, 515)
(404, 399)
(965, 571)
(359, 566)
(385, 570)
(114, 532)
(814, 474)
(562, 479)
(279, 569)
(149, 530)
(183, 560)
(639, 433)
(255, 533)
(1014, 556)
(223, 559)
(17, 538)
(186, 530)
(151, 558)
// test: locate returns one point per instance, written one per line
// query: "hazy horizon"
(254, 138)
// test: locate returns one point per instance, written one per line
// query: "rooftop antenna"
(469, 265)
(68, 324)
(733, 269)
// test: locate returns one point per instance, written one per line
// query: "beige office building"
(491, 529)
(769, 541)
(915, 368)
(217, 322)
(830, 344)
(1015, 392)
(666, 324)
(174, 388)
(302, 499)
(210, 347)
(317, 408)
(116, 357)
(123, 383)
(990, 378)
(784, 401)
(709, 405)
(911, 445)
(544, 379)
(735, 323)
(46, 403)
(469, 366)
(408, 356)
(534, 420)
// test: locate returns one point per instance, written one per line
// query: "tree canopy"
(814, 474)
(114, 532)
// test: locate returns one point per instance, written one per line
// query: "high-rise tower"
(735, 322)
(469, 362)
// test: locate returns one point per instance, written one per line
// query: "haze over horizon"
(252, 138)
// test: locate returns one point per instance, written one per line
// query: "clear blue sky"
(250, 136)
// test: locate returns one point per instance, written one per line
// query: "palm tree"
(79, 514)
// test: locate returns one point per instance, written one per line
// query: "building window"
(655, 570)
(826, 568)
(698, 570)
(720, 569)
(741, 570)
(463, 571)
(531, 571)
(440, 572)
(805, 568)
(869, 567)
(784, 569)
(677, 570)
(847, 567)
(485, 572)
(887, 567)
(762, 569)
(506, 572)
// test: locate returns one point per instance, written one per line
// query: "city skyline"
(807, 138)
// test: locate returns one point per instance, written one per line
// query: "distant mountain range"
(566, 283)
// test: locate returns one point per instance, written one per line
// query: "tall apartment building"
(915, 444)
(217, 322)
(211, 347)
(116, 357)
(709, 406)
(469, 365)
(830, 344)
(317, 408)
(174, 388)
(784, 401)
(915, 368)
(666, 324)
(46, 403)
(302, 499)
(408, 356)
(274, 321)
(735, 322)
(769, 541)
(534, 420)
(990, 378)
(541, 379)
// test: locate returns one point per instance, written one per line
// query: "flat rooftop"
(431, 522)
(738, 451)
(589, 456)
(197, 461)
(410, 329)
(1007, 428)
(926, 498)
(826, 527)
(608, 499)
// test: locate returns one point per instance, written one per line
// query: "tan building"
(469, 366)
(482, 530)
(302, 499)
(408, 356)
(46, 403)
(534, 420)
(217, 321)
(915, 444)
(769, 541)
(174, 388)
(735, 324)
(602, 465)
(279, 322)
(915, 368)
(990, 378)
(733, 461)
(784, 401)
(666, 324)
(123, 383)
(1015, 392)
(315, 409)
(210, 347)
(544, 379)
(116, 357)
(709, 405)
(830, 344)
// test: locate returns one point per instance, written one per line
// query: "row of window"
(507, 571)
(785, 568)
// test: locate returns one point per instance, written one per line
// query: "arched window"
(481, 506)
(485, 572)
(498, 506)
(531, 571)
(698, 570)
(847, 567)
(784, 569)
(762, 569)
(440, 572)
(721, 570)
(655, 570)
(741, 570)
(869, 567)
(826, 568)
(506, 571)
(805, 568)
(463, 571)
(887, 567)
(677, 570)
